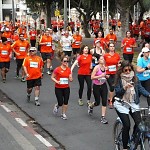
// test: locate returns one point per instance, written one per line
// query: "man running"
(33, 66)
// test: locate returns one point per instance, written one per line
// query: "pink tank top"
(101, 80)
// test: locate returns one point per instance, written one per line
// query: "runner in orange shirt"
(5, 55)
(128, 45)
(84, 61)
(7, 33)
(33, 34)
(112, 60)
(20, 48)
(102, 40)
(76, 45)
(136, 30)
(111, 37)
(46, 50)
(33, 66)
(61, 76)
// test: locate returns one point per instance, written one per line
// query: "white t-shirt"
(66, 43)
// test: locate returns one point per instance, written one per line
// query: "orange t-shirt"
(47, 48)
(15, 37)
(127, 48)
(102, 42)
(5, 51)
(34, 66)
(136, 29)
(111, 37)
(84, 63)
(111, 62)
(62, 76)
(7, 35)
(32, 35)
(21, 47)
(77, 41)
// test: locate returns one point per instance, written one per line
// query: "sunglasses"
(126, 70)
(66, 61)
(31, 51)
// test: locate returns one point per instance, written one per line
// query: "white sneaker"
(64, 117)
(37, 103)
(48, 72)
(55, 110)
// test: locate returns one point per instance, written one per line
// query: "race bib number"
(33, 34)
(129, 49)
(63, 80)
(34, 64)
(48, 44)
(67, 47)
(22, 49)
(146, 73)
(147, 33)
(8, 39)
(112, 68)
(77, 43)
(4, 52)
(111, 40)
(102, 80)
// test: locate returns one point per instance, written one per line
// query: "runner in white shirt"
(66, 42)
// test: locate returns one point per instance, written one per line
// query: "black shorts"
(34, 82)
(4, 65)
(19, 62)
(46, 56)
(76, 50)
(67, 53)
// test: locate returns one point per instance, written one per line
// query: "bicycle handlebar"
(122, 101)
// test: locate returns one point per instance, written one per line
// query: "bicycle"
(142, 141)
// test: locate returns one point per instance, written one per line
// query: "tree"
(41, 5)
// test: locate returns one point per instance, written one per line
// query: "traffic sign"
(35, 16)
(57, 13)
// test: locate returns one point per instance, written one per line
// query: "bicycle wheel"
(145, 143)
(117, 135)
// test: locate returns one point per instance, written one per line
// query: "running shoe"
(4, 80)
(37, 103)
(90, 110)
(55, 110)
(48, 72)
(23, 79)
(28, 98)
(103, 120)
(80, 102)
(64, 117)
(51, 68)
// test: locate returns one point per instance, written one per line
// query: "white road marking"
(20, 139)
(20, 121)
(5, 108)
(44, 141)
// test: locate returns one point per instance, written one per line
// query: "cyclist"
(128, 88)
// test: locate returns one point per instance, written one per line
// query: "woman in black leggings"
(84, 61)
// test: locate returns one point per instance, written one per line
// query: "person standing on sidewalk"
(33, 66)
(61, 76)
(84, 61)
(5, 55)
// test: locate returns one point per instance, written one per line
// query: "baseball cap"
(145, 50)
(97, 41)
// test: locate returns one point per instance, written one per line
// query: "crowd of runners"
(97, 65)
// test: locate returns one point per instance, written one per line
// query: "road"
(80, 131)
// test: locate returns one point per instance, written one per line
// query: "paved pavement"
(80, 131)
